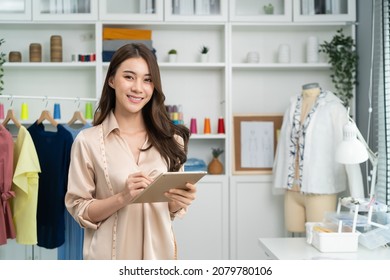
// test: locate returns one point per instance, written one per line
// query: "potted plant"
(204, 53)
(343, 58)
(215, 166)
(268, 9)
(172, 55)
(2, 61)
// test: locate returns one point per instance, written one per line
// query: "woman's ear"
(110, 83)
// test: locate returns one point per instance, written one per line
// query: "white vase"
(312, 50)
(204, 57)
(253, 57)
(284, 54)
(172, 57)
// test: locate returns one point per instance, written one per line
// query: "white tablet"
(166, 181)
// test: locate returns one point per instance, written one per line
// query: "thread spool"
(24, 112)
(193, 127)
(207, 126)
(15, 57)
(35, 52)
(57, 111)
(88, 111)
(56, 48)
(221, 126)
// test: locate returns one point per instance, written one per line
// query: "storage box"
(375, 238)
(326, 238)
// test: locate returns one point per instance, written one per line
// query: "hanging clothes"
(25, 186)
(320, 173)
(53, 149)
(72, 249)
(7, 228)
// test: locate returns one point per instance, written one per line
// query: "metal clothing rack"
(46, 98)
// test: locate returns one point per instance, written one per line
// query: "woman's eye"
(148, 80)
(129, 77)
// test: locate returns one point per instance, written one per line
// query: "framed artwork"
(255, 141)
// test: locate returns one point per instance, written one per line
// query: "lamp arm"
(373, 157)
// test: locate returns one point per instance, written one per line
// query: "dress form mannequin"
(301, 207)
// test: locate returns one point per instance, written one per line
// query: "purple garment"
(7, 228)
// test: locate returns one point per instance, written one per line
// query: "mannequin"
(304, 165)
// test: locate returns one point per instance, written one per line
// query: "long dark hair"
(159, 127)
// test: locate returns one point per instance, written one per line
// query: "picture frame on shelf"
(255, 142)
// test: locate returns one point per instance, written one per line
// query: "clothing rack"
(46, 98)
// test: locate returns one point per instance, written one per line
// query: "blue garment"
(53, 150)
(72, 249)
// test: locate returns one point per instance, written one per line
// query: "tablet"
(166, 181)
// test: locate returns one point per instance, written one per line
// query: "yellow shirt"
(100, 164)
(25, 186)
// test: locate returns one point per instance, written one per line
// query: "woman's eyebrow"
(134, 73)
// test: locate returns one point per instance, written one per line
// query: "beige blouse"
(100, 164)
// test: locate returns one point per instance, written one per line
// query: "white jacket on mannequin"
(321, 173)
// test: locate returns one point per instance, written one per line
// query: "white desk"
(298, 249)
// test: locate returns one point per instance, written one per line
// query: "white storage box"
(327, 238)
(375, 238)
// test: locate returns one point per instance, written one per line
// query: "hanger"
(77, 116)
(11, 117)
(45, 115)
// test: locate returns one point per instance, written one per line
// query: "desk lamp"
(354, 149)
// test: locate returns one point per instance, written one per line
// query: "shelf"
(207, 136)
(49, 65)
(281, 66)
(194, 66)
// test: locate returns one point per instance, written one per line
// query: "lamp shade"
(351, 150)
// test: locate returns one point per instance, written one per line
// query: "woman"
(132, 142)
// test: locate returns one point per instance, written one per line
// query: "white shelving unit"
(254, 11)
(224, 86)
(67, 10)
(17, 10)
(196, 10)
(133, 10)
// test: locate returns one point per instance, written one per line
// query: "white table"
(298, 249)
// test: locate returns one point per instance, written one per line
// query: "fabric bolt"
(25, 186)
(320, 174)
(7, 228)
(72, 249)
(53, 149)
(101, 157)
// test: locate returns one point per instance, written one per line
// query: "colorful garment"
(25, 186)
(297, 144)
(7, 228)
(72, 249)
(320, 173)
(53, 149)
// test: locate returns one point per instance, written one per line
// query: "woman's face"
(133, 86)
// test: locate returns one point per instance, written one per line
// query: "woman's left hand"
(181, 198)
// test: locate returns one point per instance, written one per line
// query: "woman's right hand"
(101, 209)
(135, 183)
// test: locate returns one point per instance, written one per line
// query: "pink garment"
(7, 229)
